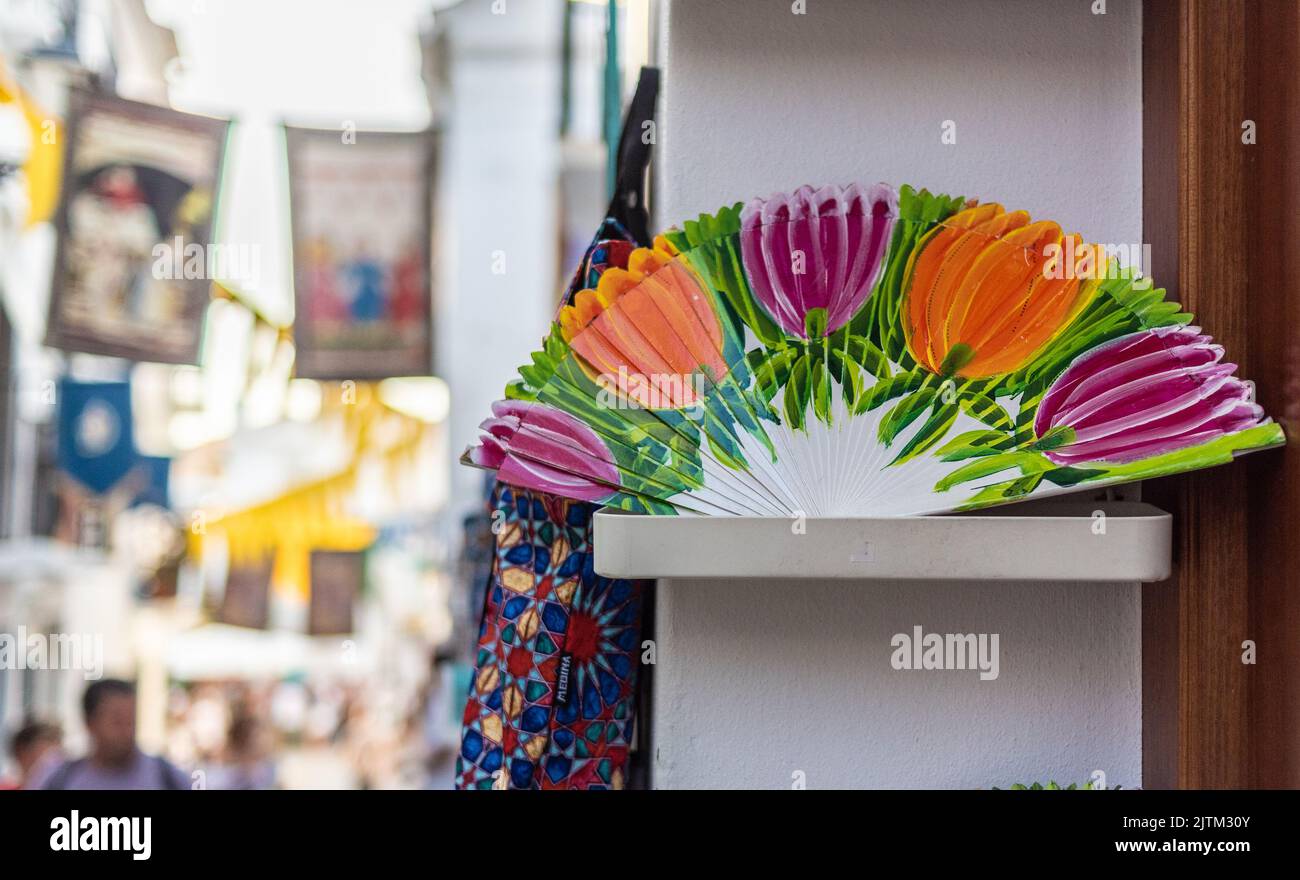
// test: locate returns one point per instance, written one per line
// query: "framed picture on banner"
(361, 206)
(336, 580)
(131, 273)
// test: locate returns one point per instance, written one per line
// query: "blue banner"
(96, 444)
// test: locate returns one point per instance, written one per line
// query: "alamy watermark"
(78, 833)
(1105, 262)
(177, 260)
(83, 652)
(627, 390)
(920, 650)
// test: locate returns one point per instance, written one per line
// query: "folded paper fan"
(852, 351)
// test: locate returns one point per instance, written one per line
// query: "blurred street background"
(263, 268)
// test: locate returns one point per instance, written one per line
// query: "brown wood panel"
(1160, 184)
(1273, 185)
(1215, 212)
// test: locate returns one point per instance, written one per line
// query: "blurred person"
(115, 762)
(208, 721)
(36, 747)
(370, 735)
(247, 766)
(327, 712)
(289, 702)
(181, 747)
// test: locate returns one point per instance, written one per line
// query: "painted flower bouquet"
(853, 351)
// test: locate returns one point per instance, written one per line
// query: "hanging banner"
(361, 203)
(135, 260)
(163, 583)
(152, 478)
(95, 443)
(247, 598)
(336, 580)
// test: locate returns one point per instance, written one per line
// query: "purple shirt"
(143, 773)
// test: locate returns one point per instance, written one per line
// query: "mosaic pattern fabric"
(551, 703)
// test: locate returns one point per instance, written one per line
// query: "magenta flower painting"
(1145, 395)
(545, 449)
(816, 249)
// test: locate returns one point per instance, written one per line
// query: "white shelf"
(1108, 541)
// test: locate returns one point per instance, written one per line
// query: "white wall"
(497, 189)
(756, 681)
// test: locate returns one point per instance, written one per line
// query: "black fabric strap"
(634, 144)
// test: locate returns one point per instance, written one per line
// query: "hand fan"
(852, 351)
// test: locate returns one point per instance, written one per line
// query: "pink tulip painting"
(537, 447)
(1143, 395)
(816, 249)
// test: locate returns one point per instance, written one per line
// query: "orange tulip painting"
(875, 351)
(986, 292)
(648, 332)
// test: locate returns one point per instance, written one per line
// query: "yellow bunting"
(44, 163)
(314, 516)
(220, 290)
(43, 166)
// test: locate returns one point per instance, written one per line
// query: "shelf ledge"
(1104, 541)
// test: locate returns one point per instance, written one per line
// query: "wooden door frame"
(1220, 216)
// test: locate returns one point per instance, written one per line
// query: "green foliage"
(706, 228)
(905, 412)
(771, 369)
(860, 351)
(1218, 451)
(821, 391)
(1028, 463)
(983, 408)
(798, 390)
(815, 323)
(533, 376)
(973, 444)
(656, 453)
(892, 388)
(880, 320)
(809, 369)
(931, 432)
(711, 244)
(1052, 786)
(634, 503)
